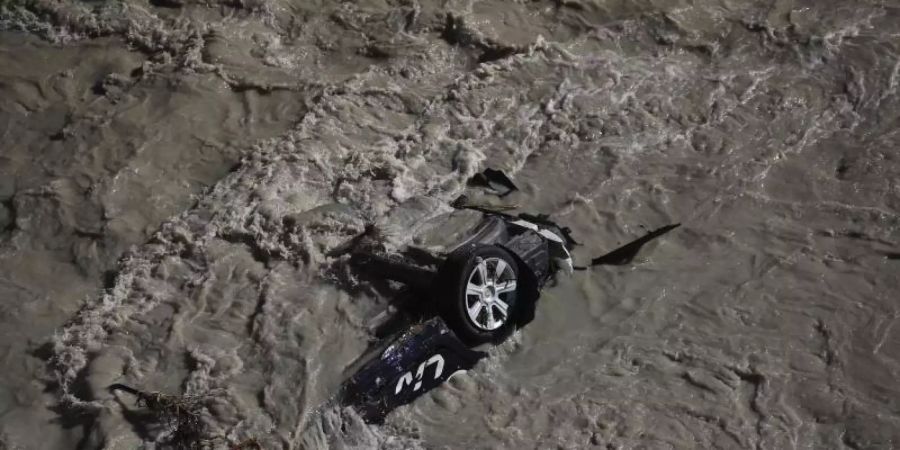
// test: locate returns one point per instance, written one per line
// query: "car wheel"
(477, 293)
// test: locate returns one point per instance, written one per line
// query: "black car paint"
(425, 356)
(409, 367)
(416, 362)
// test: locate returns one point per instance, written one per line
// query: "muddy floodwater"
(173, 174)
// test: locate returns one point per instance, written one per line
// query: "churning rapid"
(173, 173)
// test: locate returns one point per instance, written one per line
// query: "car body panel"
(414, 363)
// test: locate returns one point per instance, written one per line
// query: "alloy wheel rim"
(488, 289)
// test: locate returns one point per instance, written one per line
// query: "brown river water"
(173, 172)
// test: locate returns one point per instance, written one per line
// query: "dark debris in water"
(183, 415)
(626, 253)
(492, 178)
(180, 412)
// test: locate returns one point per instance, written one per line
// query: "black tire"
(456, 302)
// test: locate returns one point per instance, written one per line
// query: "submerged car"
(472, 278)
